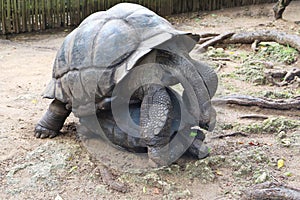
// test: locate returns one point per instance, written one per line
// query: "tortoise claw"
(42, 132)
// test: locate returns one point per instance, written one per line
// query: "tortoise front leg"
(52, 121)
(156, 124)
(198, 148)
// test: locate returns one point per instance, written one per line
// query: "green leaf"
(193, 134)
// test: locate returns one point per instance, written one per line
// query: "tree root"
(286, 77)
(279, 8)
(271, 191)
(243, 100)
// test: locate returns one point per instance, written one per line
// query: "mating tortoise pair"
(116, 71)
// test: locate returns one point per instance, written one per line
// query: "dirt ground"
(62, 168)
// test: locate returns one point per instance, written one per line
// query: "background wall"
(31, 15)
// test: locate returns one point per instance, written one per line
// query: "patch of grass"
(272, 125)
(277, 95)
(253, 73)
(226, 126)
(229, 75)
(248, 163)
(273, 51)
(231, 88)
(216, 52)
(204, 169)
(251, 64)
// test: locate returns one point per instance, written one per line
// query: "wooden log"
(79, 13)
(270, 35)
(36, 15)
(42, 15)
(84, 9)
(243, 100)
(14, 17)
(58, 13)
(73, 9)
(49, 20)
(23, 11)
(68, 13)
(2, 22)
(8, 16)
(29, 15)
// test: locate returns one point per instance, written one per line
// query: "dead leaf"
(156, 191)
(280, 163)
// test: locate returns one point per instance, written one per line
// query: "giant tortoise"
(129, 56)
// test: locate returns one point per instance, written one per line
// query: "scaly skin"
(155, 123)
(52, 121)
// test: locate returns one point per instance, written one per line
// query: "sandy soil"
(62, 168)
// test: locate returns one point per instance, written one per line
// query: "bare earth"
(62, 168)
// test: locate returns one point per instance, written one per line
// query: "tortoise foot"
(42, 132)
(199, 149)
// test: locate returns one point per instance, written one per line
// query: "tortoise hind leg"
(156, 124)
(52, 121)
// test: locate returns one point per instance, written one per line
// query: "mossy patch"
(251, 65)
(272, 125)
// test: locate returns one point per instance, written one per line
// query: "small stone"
(286, 142)
(262, 178)
(101, 189)
(58, 197)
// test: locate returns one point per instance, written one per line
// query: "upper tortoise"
(130, 48)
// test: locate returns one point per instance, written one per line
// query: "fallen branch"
(231, 135)
(272, 191)
(243, 100)
(202, 47)
(221, 59)
(254, 116)
(268, 36)
(248, 38)
(205, 39)
(292, 74)
(206, 35)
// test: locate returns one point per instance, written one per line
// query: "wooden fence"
(32, 15)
